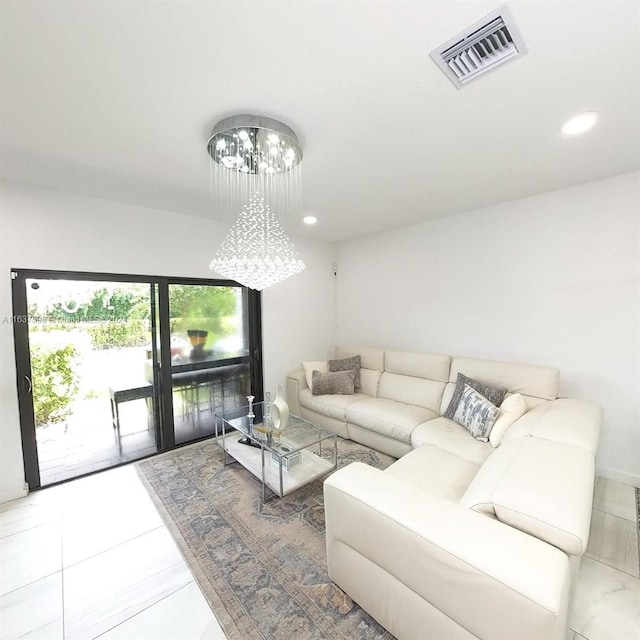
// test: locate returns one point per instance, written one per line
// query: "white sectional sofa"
(457, 539)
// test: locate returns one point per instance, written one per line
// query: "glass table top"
(298, 433)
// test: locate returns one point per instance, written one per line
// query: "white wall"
(551, 280)
(42, 229)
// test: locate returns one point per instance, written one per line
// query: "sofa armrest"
(486, 576)
(296, 382)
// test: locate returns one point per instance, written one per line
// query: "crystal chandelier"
(255, 170)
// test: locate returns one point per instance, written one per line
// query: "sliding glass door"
(210, 365)
(82, 347)
(115, 368)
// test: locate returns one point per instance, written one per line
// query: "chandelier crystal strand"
(256, 252)
(231, 190)
(255, 169)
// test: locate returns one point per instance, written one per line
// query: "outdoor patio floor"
(88, 442)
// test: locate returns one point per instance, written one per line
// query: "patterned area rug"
(261, 567)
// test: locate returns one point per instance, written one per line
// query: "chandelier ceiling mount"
(255, 145)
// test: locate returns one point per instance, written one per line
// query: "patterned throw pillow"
(347, 364)
(492, 394)
(339, 382)
(476, 414)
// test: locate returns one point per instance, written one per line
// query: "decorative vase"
(280, 411)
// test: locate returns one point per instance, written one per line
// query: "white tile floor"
(91, 558)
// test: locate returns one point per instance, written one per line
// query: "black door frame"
(162, 378)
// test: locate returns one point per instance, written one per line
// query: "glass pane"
(209, 355)
(299, 433)
(91, 385)
(207, 323)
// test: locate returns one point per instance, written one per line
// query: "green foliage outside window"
(108, 334)
(201, 307)
(55, 382)
(116, 318)
(120, 304)
(119, 315)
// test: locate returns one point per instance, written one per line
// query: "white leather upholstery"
(541, 487)
(527, 379)
(334, 406)
(434, 470)
(419, 365)
(420, 392)
(369, 381)
(326, 422)
(567, 420)
(388, 417)
(493, 581)
(296, 382)
(394, 605)
(458, 537)
(378, 441)
(449, 436)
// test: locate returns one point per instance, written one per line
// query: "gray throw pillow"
(492, 394)
(347, 364)
(476, 414)
(339, 382)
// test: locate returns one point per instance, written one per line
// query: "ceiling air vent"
(483, 47)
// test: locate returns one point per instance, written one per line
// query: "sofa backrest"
(414, 378)
(539, 486)
(534, 382)
(428, 380)
(567, 421)
(370, 357)
(372, 366)
(419, 365)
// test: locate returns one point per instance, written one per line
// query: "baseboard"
(618, 476)
(8, 496)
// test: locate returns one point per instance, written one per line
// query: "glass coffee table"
(284, 461)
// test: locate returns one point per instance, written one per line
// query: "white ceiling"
(116, 99)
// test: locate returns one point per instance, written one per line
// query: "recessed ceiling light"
(580, 123)
(309, 219)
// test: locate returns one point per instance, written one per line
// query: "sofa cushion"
(541, 487)
(492, 394)
(310, 367)
(411, 390)
(347, 364)
(439, 472)
(332, 406)
(339, 382)
(450, 436)
(419, 365)
(513, 407)
(527, 379)
(474, 412)
(388, 417)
